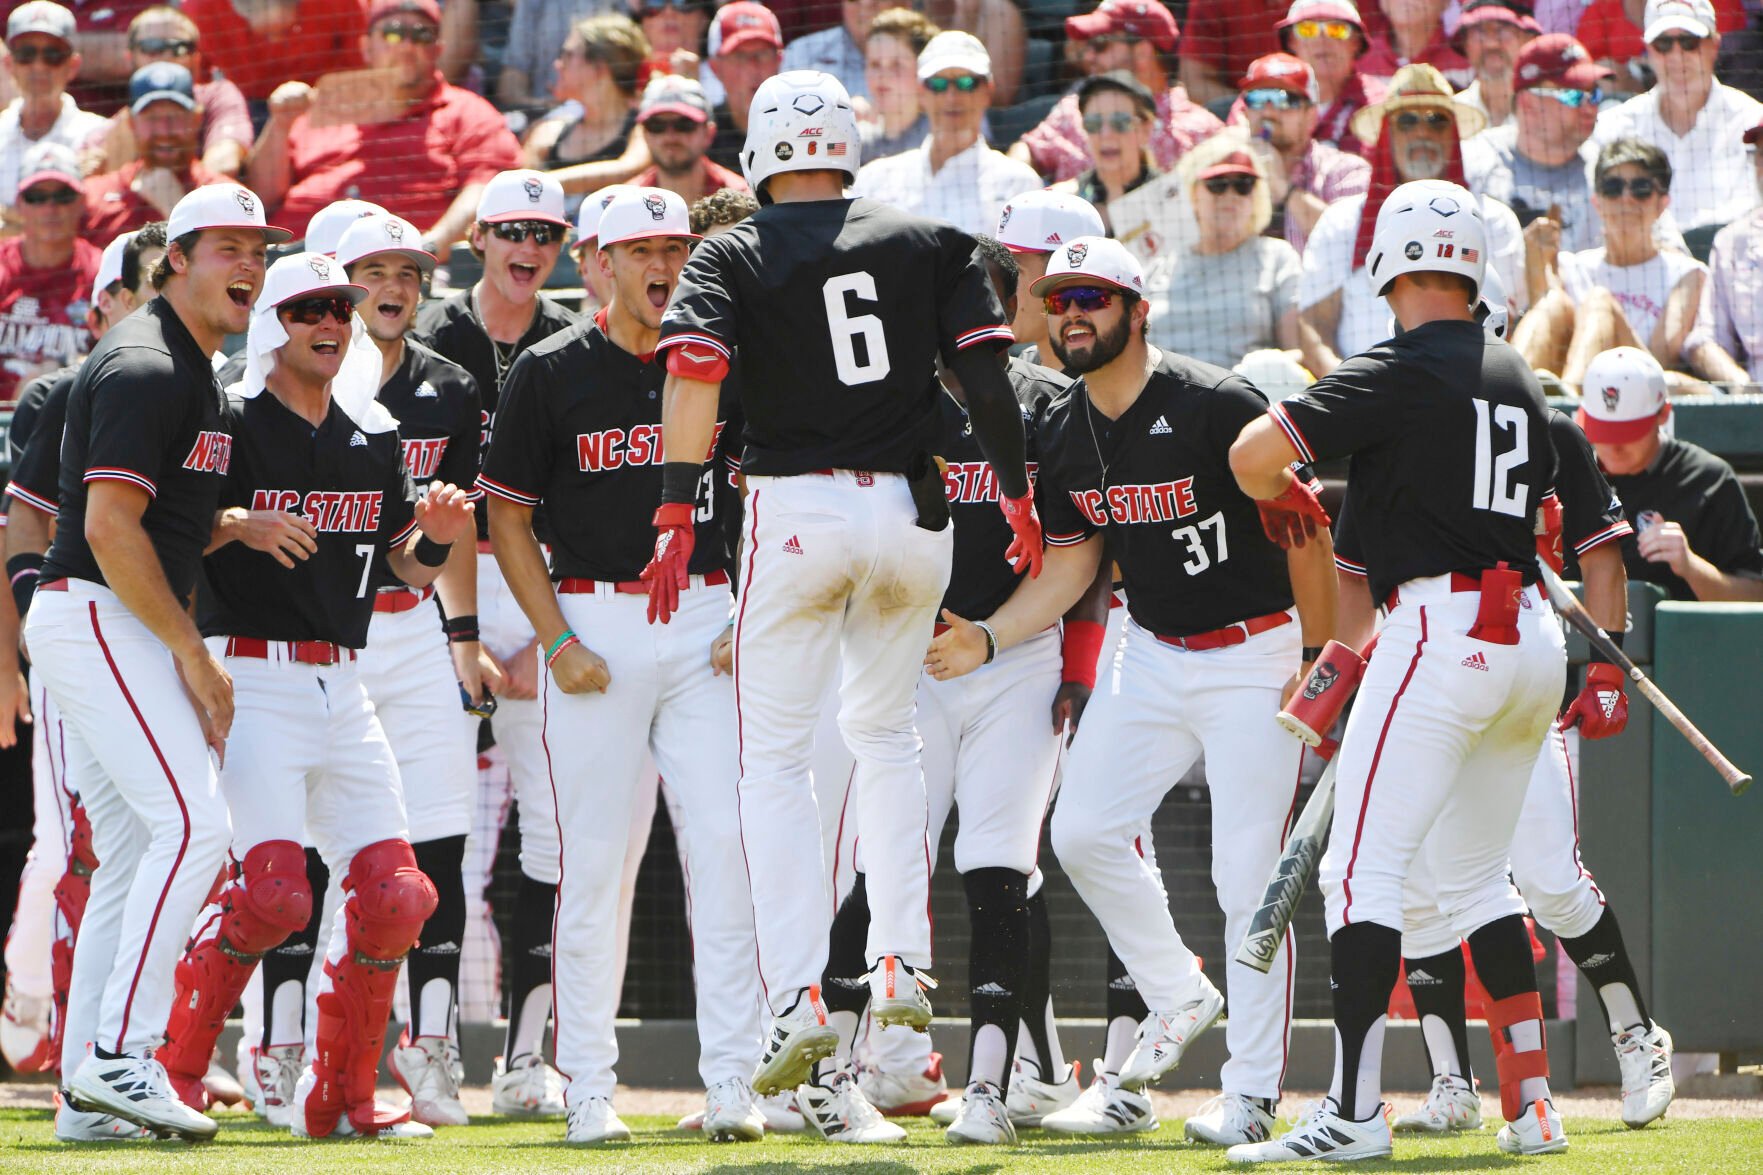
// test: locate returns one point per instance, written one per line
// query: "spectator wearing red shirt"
(428, 165)
(165, 34)
(101, 39)
(165, 123)
(46, 272)
(676, 122)
(1414, 32)
(1611, 32)
(279, 42)
(1329, 37)
(1221, 39)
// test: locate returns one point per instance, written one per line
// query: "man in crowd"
(839, 50)
(46, 272)
(954, 176)
(1304, 174)
(1729, 326)
(746, 47)
(430, 161)
(676, 122)
(166, 34)
(1138, 36)
(41, 61)
(260, 47)
(1413, 31)
(1491, 35)
(165, 123)
(1329, 37)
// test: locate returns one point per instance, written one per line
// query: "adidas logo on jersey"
(356, 439)
(792, 547)
(426, 391)
(1161, 428)
(1422, 979)
(1476, 661)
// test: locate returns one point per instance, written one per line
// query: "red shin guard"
(71, 894)
(1513, 1067)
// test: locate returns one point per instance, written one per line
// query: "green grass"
(27, 1143)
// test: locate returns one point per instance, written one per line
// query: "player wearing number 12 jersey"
(839, 309)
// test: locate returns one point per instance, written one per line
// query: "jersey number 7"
(846, 329)
(1494, 488)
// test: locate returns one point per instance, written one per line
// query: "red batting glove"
(1291, 519)
(666, 574)
(1601, 709)
(1025, 553)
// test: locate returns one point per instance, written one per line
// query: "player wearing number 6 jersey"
(839, 309)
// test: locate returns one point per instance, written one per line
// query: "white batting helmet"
(1428, 226)
(799, 121)
(1494, 311)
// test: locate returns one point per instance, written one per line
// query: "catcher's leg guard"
(389, 900)
(71, 893)
(1513, 1066)
(270, 900)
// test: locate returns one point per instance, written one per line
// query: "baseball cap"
(1091, 259)
(1624, 396)
(954, 49)
(161, 81)
(383, 233)
(110, 264)
(744, 23)
(384, 8)
(329, 223)
(1493, 12)
(221, 206)
(1041, 221)
(639, 213)
(522, 194)
(1695, 17)
(1236, 163)
(41, 16)
(1145, 19)
(300, 275)
(669, 93)
(1343, 10)
(587, 217)
(1557, 59)
(51, 161)
(1281, 71)
(1121, 81)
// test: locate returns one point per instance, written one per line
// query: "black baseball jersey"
(439, 422)
(980, 580)
(838, 309)
(1192, 553)
(1692, 487)
(580, 431)
(35, 439)
(1449, 438)
(145, 409)
(349, 483)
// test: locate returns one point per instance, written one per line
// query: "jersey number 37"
(847, 328)
(1495, 488)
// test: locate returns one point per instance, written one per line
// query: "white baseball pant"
(505, 631)
(644, 799)
(1153, 714)
(150, 788)
(838, 574)
(33, 929)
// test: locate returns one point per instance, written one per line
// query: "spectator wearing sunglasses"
(165, 122)
(41, 62)
(1413, 32)
(259, 45)
(1118, 117)
(100, 37)
(676, 30)
(1139, 36)
(1611, 30)
(430, 163)
(46, 272)
(954, 175)
(1729, 324)
(598, 72)
(1693, 117)
(162, 34)
(539, 37)
(1278, 105)
(1329, 37)
(1491, 35)
(675, 117)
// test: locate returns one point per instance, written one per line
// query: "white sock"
(436, 1004)
(1527, 1037)
(530, 1028)
(1368, 1080)
(287, 1013)
(988, 1055)
(1123, 1034)
(1441, 1047)
(1624, 1009)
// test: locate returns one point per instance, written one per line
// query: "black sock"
(842, 986)
(997, 903)
(291, 962)
(1437, 983)
(1503, 961)
(1124, 1000)
(437, 954)
(1603, 959)
(1364, 959)
(1037, 981)
(530, 969)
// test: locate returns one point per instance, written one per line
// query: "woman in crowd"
(601, 69)
(1119, 114)
(896, 120)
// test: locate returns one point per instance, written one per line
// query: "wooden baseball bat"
(1297, 865)
(1569, 606)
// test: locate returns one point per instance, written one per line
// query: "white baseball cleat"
(244, 1057)
(137, 1090)
(1537, 1131)
(782, 1115)
(1165, 1036)
(275, 1071)
(1030, 1099)
(1453, 1104)
(73, 1125)
(1322, 1134)
(595, 1121)
(896, 994)
(24, 1031)
(798, 1038)
(1647, 1085)
(402, 1128)
(1230, 1119)
(839, 1112)
(532, 1088)
(982, 1118)
(1104, 1108)
(732, 1113)
(905, 1095)
(425, 1070)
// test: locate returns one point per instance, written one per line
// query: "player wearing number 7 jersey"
(838, 309)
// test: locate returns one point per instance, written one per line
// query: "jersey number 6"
(1494, 488)
(846, 329)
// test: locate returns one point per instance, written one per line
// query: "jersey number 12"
(1494, 488)
(846, 329)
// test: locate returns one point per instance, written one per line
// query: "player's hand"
(520, 674)
(1025, 552)
(1068, 705)
(667, 574)
(1291, 519)
(210, 689)
(1601, 709)
(15, 706)
(283, 536)
(722, 652)
(958, 650)
(580, 670)
(475, 669)
(289, 101)
(683, 62)
(445, 514)
(1664, 542)
(1290, 688)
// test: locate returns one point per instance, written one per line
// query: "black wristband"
(24, 571)
(429, 553)
(679, 482)
(1311, 652)
(461, 629)
(1596, 656)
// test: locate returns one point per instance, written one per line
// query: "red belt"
(52, 585)
(303, 652)
(1461, 581)
(571, 585)
(401, 599)
(1230, 634)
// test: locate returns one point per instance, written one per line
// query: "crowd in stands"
(1239, 148)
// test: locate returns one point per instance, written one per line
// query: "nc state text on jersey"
(1164, 501)
(610, 448)
(211, 453)
(329, 511)
(974, 481)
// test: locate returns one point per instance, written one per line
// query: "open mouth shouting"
(389, 312)
(523, 273)
(658, 292)
(241, 293)
(1077, 334)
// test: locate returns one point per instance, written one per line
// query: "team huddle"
(786, 534)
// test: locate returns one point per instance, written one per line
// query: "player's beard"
(1105, 350)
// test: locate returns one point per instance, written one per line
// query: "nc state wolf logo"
(657, 207)
(1612, 397)
(394, 231)
(319, 265)
(534, 190)
(1320, 681)
(246, 201)
(1004, 219)
(1075, 254)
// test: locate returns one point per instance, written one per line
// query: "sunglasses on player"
(660, 125)
(1435, 120)
(50, 55)
(1641, 187)
(1334, 30)
(1086, 298)
(164, 47)
(1119, 122)
(420, 34)
(1273, 98)
(1242, 185)
(312, 311)
(1572, 99)
(1685, 41)
(967, 83)
(42, 195)
(516, 231)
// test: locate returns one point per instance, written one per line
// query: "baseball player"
(1033, 226)
(1448, 434)
(519, 235)
(324, 232)
(144, 452)
(1140, 451)
(579, 431)
(413, 658)
(318, 491)
(847, 542)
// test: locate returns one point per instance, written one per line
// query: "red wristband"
(1082, 647)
